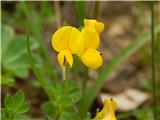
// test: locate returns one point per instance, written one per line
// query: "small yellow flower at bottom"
(108, 110)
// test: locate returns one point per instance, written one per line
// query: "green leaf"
(74, 93)
(68, 113)
(67, 116)
(24, 108)
(21, 117)
(7, 80)
(81, 8)
(8, 102)
(36, 71)
(110, 67)
(14, 52)
(7, 35)
(18, 99)
(49, 109)
(4, 113)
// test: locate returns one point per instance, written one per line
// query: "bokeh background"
(130, 82)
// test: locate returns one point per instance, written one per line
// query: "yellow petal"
(89, 39)
(111, 103)
(65, 38)
(65, 56)
(98, 26)
(108, 110)
(91, 58)
(73, 40)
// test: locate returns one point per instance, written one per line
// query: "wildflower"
(108, 110)
(89, 42)
(64, 41)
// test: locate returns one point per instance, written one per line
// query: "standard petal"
(89, 38)
(65, 38)
(73, 39)
(91, 23)
(65, 56)
(91, 58)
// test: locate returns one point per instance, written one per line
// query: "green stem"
(65, 73)
(35, 70)
(84, 83)
(153, 63)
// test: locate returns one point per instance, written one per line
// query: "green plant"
(14, 106)
(62, 103)
(14, 56)
(61, 100)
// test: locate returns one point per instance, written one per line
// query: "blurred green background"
(125, 44)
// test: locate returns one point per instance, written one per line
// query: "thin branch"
(58, 14)
(153, 63)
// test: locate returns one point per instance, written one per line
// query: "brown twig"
(58, 14)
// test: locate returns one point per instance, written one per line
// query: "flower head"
(89, 42)
(64, 41)
(108, 110)
(68, 40)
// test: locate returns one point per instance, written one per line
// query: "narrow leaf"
(81, 8)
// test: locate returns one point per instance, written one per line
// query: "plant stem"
(58, 14)
(64, 73)
(65, 78)
(81, 11)
(84, 83)
(153, 63)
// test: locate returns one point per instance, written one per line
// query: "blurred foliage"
(110, 67)
(14, 56)
(62, 100)
(61, 104)
(15, 106)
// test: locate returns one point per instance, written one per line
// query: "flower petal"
(89, 39)
(91, 58)
(65, 56)
(65, 38)
(107, 112)
(73, 39)
(98, 26)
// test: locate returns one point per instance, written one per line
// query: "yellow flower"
(69, 40)
(108, 110)
(89, 42)
(64, 41)
(98, 26)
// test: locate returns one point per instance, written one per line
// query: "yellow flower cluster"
(68, 40)
(108, 110)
